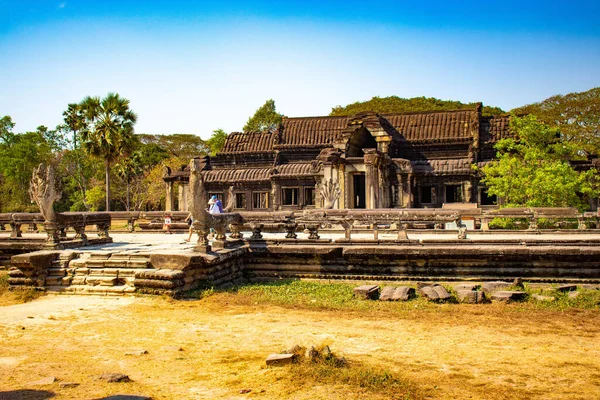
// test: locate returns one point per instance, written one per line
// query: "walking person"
(167, 224)
(190, 221)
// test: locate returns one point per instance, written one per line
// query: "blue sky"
(192, 67)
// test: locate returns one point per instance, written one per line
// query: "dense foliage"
(533, 169)
(96, 147)
(264, 119)
(577, 115)
(395, 104)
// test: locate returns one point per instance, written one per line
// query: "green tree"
(395, 104)
(6, 129)
(577, 115)
(186, 146)
(108, 133)
(265, 118)
(217, 141)
(19, 154)
(533, 169)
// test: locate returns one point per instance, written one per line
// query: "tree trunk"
(107, 172)
(128, 193)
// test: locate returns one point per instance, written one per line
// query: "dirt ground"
(216, 348)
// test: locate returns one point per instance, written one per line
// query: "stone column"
(342, 183)
(183, 196)
(371, 178)
(169, 198)
(276, 192)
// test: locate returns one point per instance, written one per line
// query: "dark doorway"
(454, 194)
(359, 191)
(361, 139)
(487, 200)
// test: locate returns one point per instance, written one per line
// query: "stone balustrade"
(57, 231)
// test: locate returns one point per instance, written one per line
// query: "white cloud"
(62, 5)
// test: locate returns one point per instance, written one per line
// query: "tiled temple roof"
(498, 128)
(243, 142)
(238, 175)
(312, 131)
(435, 126)
(294, 169)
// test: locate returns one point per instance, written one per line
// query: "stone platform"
(162, 263)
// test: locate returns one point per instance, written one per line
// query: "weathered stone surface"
(491, 287)
(566, 288)
(465, 286)
(126, 397)
(429, 293)
(518, 282)
(574, 295)
(509, 296)
(277, 360)
(471, 296)
(367, 291)
(540, 297)
(400, 293)
(441, 292)
(403, 293)
(115, 377)
(48, 380)
(67, 385)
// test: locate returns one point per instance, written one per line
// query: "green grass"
(339, 296)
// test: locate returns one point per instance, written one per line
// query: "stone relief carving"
(44, 190)
(330, 192)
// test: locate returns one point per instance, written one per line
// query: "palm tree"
(75, 121)
(109, 131)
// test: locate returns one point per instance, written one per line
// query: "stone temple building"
(374, 160)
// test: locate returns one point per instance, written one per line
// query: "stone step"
(57, 271)
(84, 289)
(58, 280)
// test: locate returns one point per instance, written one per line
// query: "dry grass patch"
(394, 350)
(9, 297)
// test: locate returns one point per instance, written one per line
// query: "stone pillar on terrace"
(372, 177)
(169, 197)
(183, 196)
(276, 195)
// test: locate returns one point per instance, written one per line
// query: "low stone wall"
(119, 272)
(449, 261)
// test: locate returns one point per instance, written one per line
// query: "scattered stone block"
(491, 287)
(465, 286)
(400, 293)
(136, 352)
(505, 295)
(403, 293)
(48, 380)
(296, 350)
(589, 287)
(68, 385)
(566, 288)
(278, 360)
(386, 293)
(367, 291)
(471, 296)
(574, 295)
(442, 292)
(540, 297)
(429, 293)
(115, 377)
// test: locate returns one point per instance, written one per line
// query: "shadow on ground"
(27, 394)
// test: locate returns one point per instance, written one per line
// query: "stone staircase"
(100, 272)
